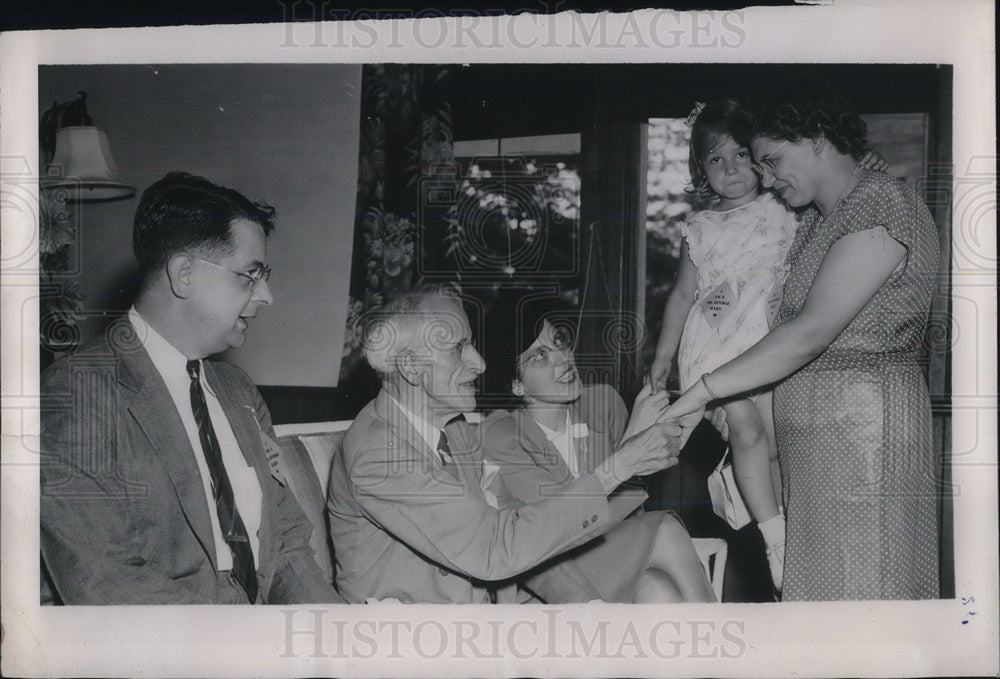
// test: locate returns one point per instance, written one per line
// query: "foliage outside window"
(516, 217)
(668, 205)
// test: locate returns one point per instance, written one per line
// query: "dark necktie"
(233, 530)
(443, 450)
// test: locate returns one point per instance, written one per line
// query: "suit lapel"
(153, 410)
(243, 422)
(466, 454)
(246, 429)
(542, 451)
(401, 428)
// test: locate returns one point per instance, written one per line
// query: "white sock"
(773, 529)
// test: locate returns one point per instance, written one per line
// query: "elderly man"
(156, 485)
(415, 514)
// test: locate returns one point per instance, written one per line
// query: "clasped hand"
(652, 439)
(653, 407)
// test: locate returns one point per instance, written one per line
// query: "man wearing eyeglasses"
(416, 513)
(156, 486)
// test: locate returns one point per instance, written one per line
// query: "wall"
(286, 134)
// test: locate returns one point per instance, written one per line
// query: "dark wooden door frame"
(613, 272)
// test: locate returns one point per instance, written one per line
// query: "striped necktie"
(443, 449)
(233, 530)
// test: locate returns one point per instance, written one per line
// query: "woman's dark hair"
(184, 212)
(713, 123)
(827, 115)
(512, 324)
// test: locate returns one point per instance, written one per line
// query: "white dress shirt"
(172, 366)
(428, 432)
(432, 435)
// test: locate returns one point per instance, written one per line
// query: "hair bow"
(699, 106)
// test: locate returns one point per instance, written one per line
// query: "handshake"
(651, 442)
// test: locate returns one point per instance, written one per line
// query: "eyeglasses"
(260, 272)
(562, 341)
(766, 164)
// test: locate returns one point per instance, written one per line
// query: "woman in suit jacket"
(561, 429)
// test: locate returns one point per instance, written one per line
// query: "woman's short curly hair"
(828, 116)
(716, 121)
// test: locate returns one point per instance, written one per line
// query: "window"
(516, 211)
(667, 206)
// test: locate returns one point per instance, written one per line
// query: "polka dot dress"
(854, 426)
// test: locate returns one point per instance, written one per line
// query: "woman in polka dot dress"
(852, 412)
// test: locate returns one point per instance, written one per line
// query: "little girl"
(728, 288)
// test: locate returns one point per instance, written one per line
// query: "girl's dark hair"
(511, 325)
(717, 120)
(827, 115)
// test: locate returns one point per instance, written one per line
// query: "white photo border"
(792, 639)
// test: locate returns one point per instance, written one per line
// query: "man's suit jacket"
(408, 527)
(124, 516)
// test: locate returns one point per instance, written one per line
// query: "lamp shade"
(82, 166)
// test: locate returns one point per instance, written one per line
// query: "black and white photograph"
(662, 341)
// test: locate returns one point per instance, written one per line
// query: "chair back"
(307, 455)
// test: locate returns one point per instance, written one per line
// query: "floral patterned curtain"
(406, 142)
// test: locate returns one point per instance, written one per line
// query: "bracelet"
(704, 383)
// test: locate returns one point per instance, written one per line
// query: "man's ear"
(406, 366)
(517, 388)
(818, 144)
(179, 274)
